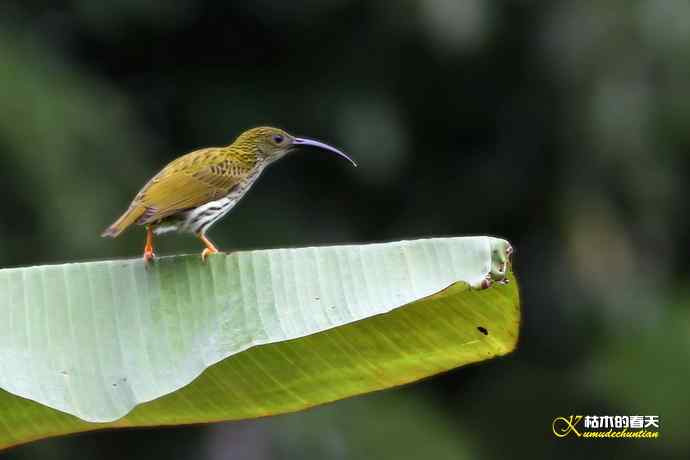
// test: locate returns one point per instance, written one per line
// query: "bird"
(196, 190)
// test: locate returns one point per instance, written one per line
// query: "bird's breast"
(238, 190)
(199, 219)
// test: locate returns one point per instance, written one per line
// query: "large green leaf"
(99, 339)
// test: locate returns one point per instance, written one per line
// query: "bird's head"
(271, 144)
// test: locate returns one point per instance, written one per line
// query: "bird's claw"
(206, 252)
(149, 256)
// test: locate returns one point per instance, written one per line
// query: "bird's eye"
(278, 138)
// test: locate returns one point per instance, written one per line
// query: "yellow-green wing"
(190, 181)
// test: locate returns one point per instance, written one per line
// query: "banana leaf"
(108, 344)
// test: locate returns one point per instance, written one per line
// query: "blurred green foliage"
(561, 126)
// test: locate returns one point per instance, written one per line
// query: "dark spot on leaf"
(482, 330)
(316, 298)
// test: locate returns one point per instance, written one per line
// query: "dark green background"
(561, 126)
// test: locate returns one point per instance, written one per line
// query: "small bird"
(193, 192)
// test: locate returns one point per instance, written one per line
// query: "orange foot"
(210, 247)
(148, 257)
(206, 252)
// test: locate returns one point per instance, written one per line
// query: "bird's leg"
(148, 248)
(210, 248)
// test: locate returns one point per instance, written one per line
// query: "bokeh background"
(562, 126)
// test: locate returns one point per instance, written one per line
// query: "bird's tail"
(128, 218)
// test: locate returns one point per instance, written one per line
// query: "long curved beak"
(312, 143)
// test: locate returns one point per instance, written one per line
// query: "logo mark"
(562, 426)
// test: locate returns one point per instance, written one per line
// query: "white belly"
(198, 220)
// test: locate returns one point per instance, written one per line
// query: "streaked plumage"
(196, 190)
